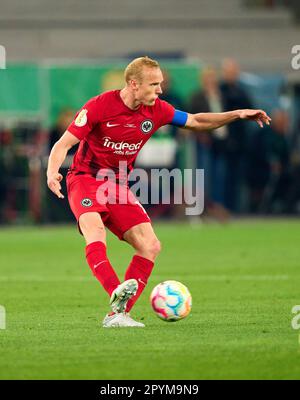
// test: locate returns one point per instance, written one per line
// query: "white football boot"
(132, 322)
(120, 320)
(122, 294)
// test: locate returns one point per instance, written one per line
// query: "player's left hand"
(260, 116)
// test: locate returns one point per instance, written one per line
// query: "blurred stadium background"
(244, 276)
(216, 56)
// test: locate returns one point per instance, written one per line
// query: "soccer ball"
(171, 301)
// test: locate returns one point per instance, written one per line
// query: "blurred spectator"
(234, 97)
(63, 120)
(170, 135)
(280, 163)
(258, 170)
(171, 97)
(20, 160)
(294, 193)
(200, 103)
(268, 174)
(168, 94)
(58, 210)
(6, 157)
(211, 145)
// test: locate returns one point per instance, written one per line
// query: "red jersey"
(111, 132)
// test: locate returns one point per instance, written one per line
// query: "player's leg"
(147, 246)
(82, 191)
(144, 240)
(93, 230)
(87, 210)
(92, 227)
(130, 222)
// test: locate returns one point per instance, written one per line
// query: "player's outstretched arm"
(210, 121)
(56, 158)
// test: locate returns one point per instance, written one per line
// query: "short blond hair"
(134, 70)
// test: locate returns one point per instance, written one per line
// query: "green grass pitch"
(244, 278)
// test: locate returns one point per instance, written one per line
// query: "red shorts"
(86, 194)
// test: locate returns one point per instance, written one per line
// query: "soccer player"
(113, 127)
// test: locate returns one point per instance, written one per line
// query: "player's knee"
(153, 247)
(156, 247)
(92, 228)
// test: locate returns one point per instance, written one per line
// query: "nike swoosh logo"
(109, 125)
(97, 265)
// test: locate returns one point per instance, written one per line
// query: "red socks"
(140, 269)
(101, 267)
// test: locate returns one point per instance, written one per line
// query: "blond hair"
(134, 70)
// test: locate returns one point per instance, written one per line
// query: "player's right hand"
(54, 185)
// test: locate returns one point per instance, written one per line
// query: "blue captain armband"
(180, 118)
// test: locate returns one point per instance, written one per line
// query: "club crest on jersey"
(86, 202)
(81, 119)
(146, 126)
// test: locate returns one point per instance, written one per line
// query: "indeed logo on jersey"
(122, 148)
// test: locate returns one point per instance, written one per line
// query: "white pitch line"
(206, 278)
(243, 278)
(221, 278)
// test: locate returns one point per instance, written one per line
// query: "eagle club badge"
(86, 202)
(146, 126)
(81, 118)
